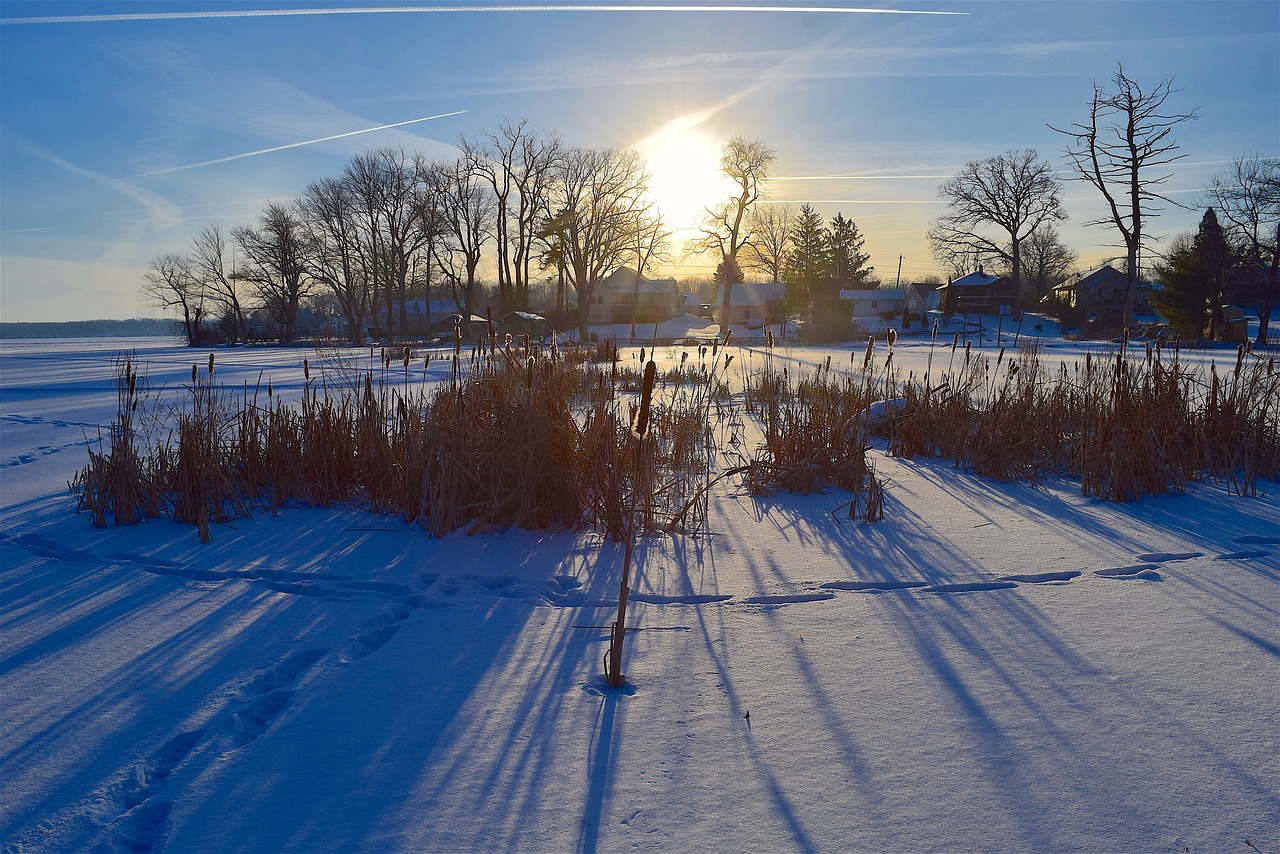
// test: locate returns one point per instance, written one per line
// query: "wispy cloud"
(160, 210)
(275, 148)
(506, 8)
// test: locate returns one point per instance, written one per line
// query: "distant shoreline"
(134, 328)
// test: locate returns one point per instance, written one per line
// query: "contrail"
(173, 169)
(390, 10)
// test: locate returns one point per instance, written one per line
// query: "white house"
(626, 296)
(873, 303)
(752, 303)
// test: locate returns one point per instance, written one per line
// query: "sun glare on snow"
(684, 165)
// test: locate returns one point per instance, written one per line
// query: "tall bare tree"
(1013, 194)
(400, 218)
(652, 245)
(340, 260)
(277, 254)
(1126, 137)
(517, 164)
(770, 228)
(598, 204)
(209, 266)
(1247, 194)
(467, 209)
(725, 228)
(172, 285)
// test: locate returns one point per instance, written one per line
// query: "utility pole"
(898, 281)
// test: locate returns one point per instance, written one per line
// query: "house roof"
(623, 280)
(752, 293)
(976, 279)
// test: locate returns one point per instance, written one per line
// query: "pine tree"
(807, 261)
(847, 263)
(1194, 275)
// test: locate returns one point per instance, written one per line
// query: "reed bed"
(1129, 424)
(516, 437)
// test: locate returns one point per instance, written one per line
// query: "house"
(1241, 324)
(876, 302)
(979, 293)
(752, 304)
(625, 296)
(521, 323)
(923, 296)
(1099, 297)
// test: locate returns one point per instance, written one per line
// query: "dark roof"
(977, 279)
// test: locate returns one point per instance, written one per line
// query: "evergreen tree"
(846, 262)
(807, 261)
(1194, 276)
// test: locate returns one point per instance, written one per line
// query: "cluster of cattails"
(514, 438)
(1129, 425)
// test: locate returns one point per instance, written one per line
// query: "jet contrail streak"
(295, 145)
(388, 10)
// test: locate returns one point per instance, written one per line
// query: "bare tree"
(770, 228)
(1013, 193)
(277, 255)
(1046, 262)
(652, 245)
(171, 285)
(209, 266)
(398, 217)
(340, 258)
(1247, 194)
(1126, 136)
(598, 200)
(467, 209)
(725, 228)
(517, 165)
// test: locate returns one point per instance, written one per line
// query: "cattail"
(684, 357)
(893, 336)
(955, 341)
(968, 346)
(866, 358)
(934, 335)
(769, 334)
(1000, 358)
(306, 370)
(728, 359)
(727, 337)
(641, 354)
(210, 364)
(194, 374)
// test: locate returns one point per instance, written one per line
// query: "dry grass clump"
(516, 437)
(121, 480)
(1127, 425)
(815, 436)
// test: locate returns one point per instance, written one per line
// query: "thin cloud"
(851, 201)
(418, 10)
(159, 210)
(216, 161)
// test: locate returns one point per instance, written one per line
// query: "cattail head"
(210, 364)
(934, 335)
(306, 370)
(893, 336)
(194, 373)
(769, 334)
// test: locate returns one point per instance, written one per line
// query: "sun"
(685, 176)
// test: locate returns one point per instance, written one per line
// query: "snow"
(992, 667)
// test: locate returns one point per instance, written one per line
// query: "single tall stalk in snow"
(613, 659)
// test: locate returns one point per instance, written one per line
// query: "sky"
(126, 127)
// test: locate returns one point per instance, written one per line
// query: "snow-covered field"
(992, 667)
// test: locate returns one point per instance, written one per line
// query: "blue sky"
(867, 112)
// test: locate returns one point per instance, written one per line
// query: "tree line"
(395, 225)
